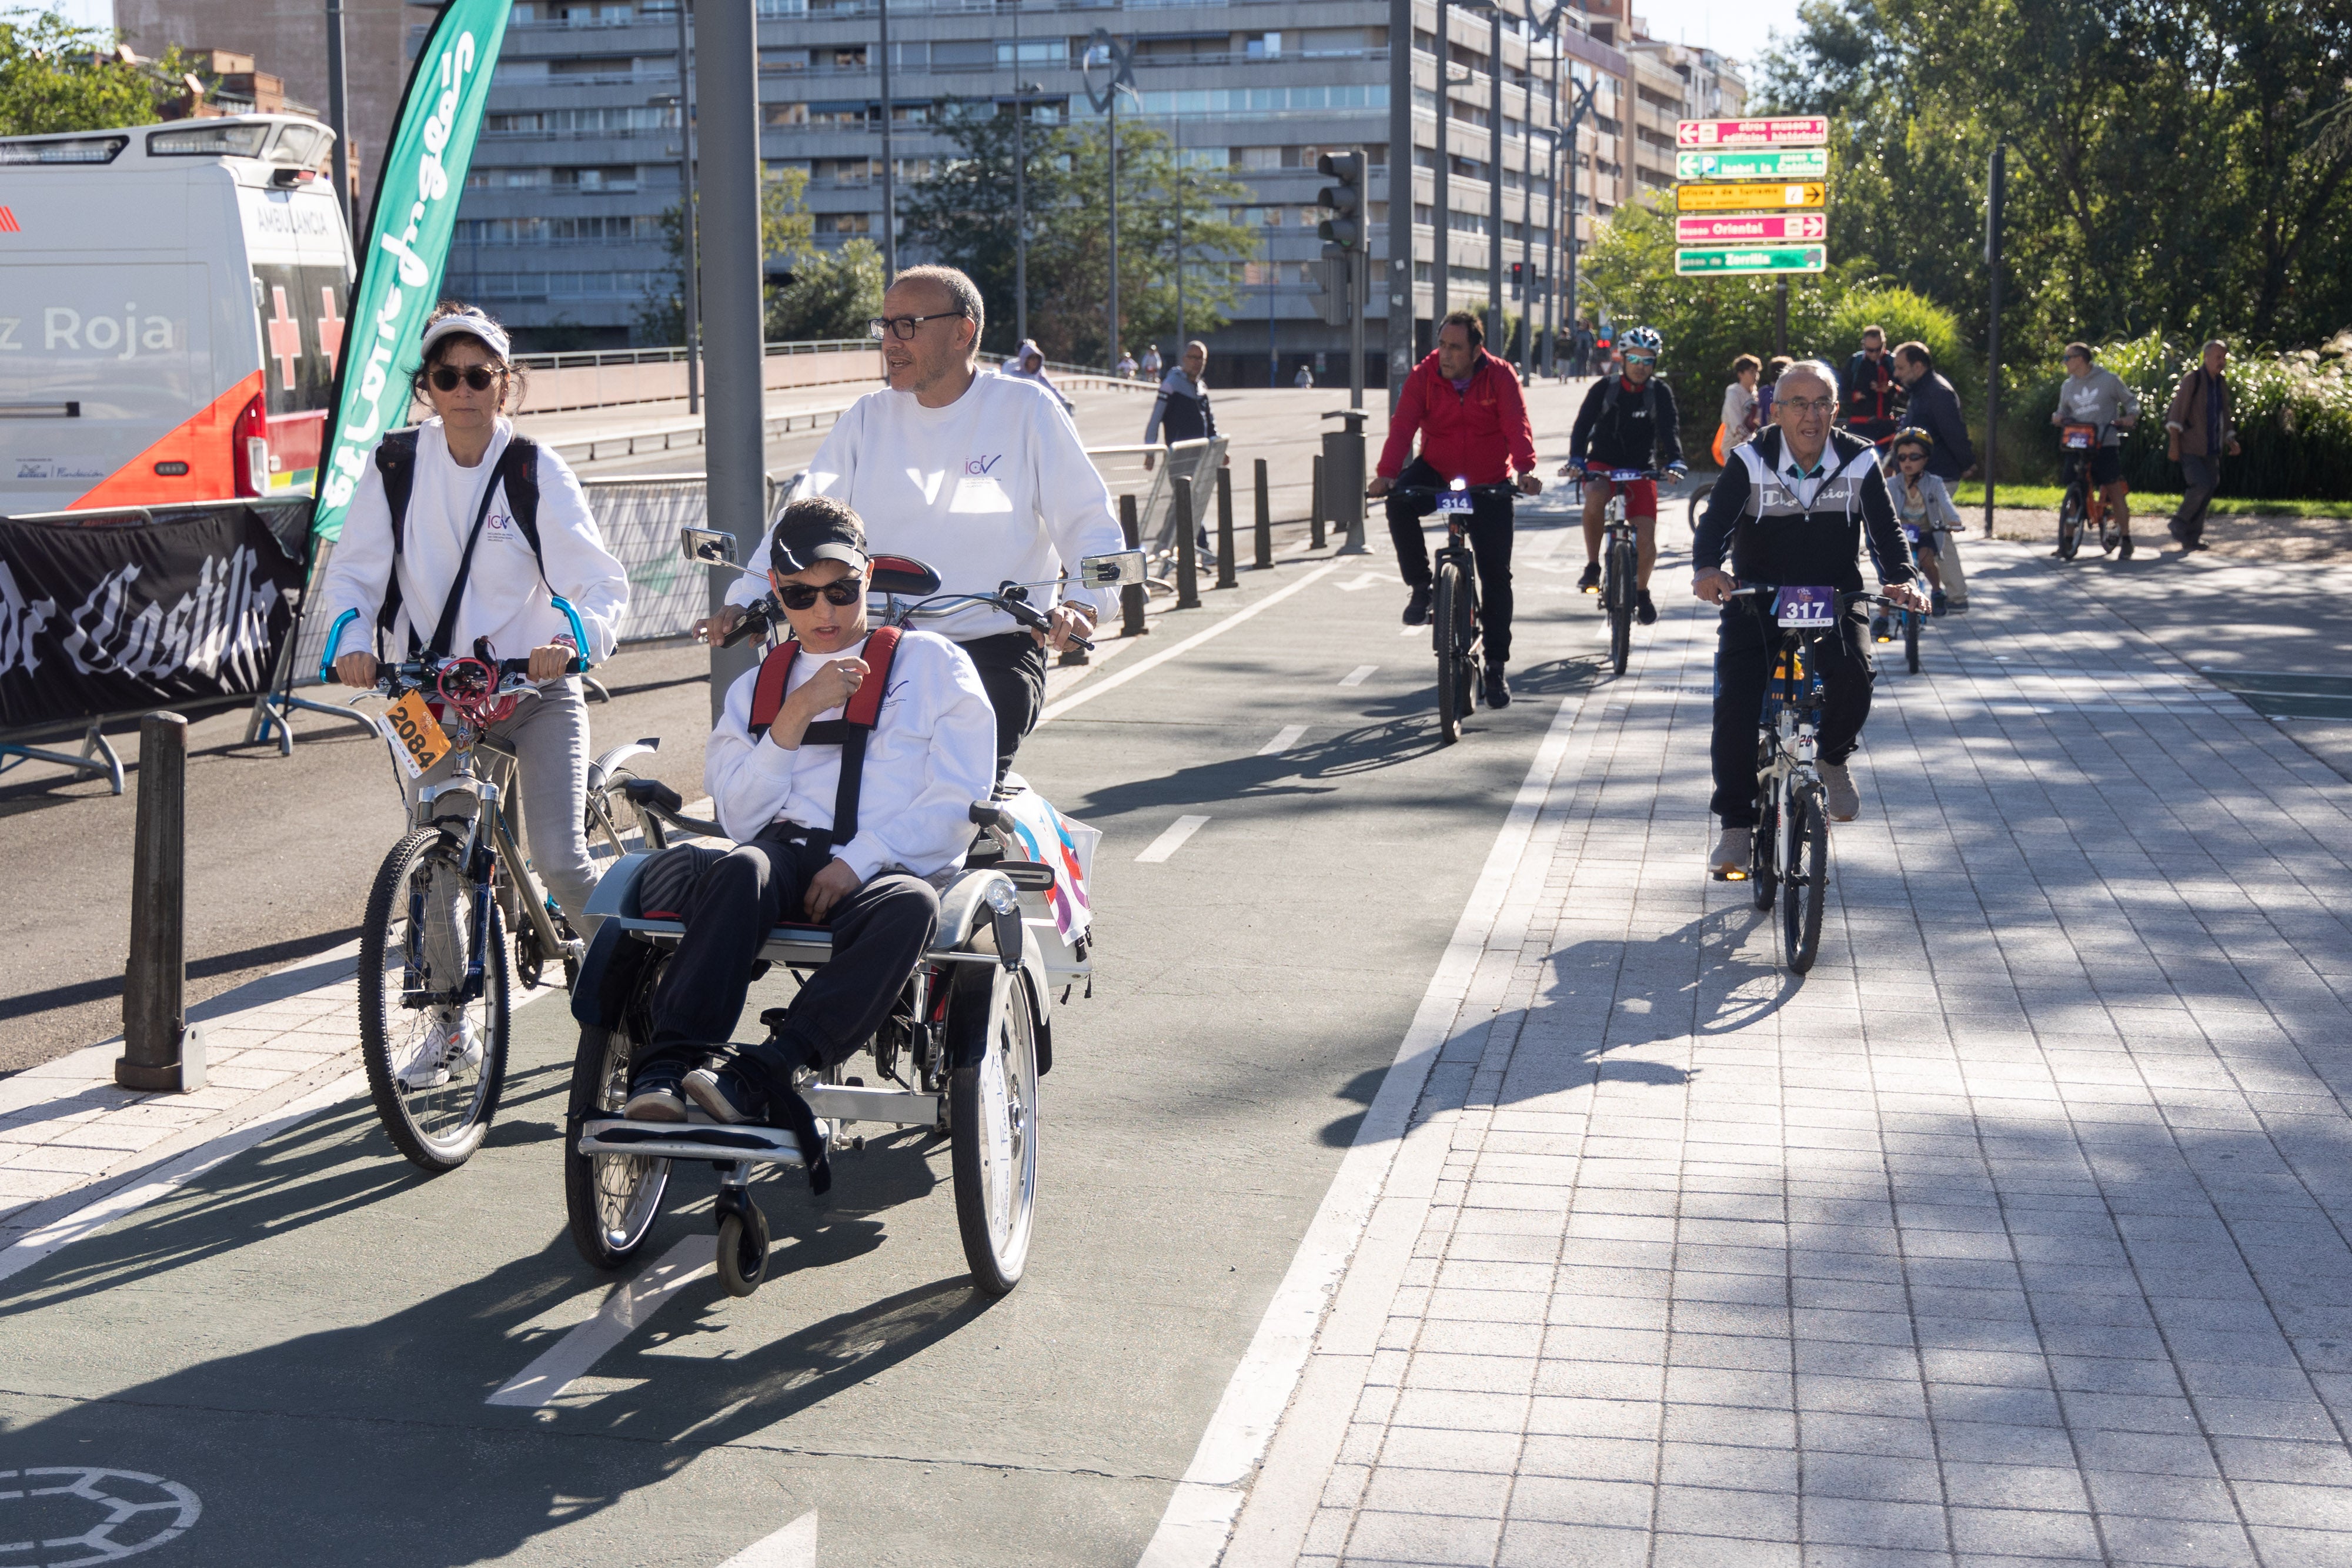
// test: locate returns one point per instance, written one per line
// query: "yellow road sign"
(1743, 198)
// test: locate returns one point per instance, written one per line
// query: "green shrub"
(1908, 317)
(2293, 414)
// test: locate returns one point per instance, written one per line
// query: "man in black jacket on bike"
(1627, 421)
(1796, 509)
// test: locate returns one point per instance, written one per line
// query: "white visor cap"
(473, 324)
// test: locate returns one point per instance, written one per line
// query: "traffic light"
(1343, 230)
(1518, 280)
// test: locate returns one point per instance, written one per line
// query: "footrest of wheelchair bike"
(689, 1140)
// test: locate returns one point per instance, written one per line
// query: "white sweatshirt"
(931, 754)
(506, 599)
(994, 487)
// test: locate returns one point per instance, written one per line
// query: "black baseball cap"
(815, 528)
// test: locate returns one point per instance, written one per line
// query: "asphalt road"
(306, 1335)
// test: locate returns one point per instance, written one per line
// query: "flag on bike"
(407, 244)
(1066, 846)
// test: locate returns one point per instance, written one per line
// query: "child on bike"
(1924, 509)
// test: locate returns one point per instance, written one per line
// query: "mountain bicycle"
(1621, 565)
(433, 967)
(2083, 505)
(1453, 604)
(1788, 851)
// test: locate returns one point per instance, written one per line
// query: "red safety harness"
(848, 732)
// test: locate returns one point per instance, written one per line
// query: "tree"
(964, 215)
(58, 77)
(833, 294)
(787, 234)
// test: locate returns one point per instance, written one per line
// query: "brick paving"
(2013, 1233)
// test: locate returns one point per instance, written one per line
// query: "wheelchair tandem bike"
(961, 1053)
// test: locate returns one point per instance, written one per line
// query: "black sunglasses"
(480, 378)
(801, 595)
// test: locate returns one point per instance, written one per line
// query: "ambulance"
(171, 301)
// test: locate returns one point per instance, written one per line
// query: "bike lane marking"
(1288, 736)
(1194, 1530)
(1363, 579)
(1169, 842)
(1118, 678)
(794, 1546)
(628, 1309)
(1359, 675)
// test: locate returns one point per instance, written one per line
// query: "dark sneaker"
(725, 1094)
(1497, 691)
(1937, 602)
(1416, 609)
(1643, 611)
(2124, 549)
(1879, 631)
(655, 1094)
(1590, 581)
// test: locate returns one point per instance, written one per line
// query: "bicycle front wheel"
(1698, 503)
(433, 1036)
(1809, 874)
(611, 1200)
(1763, 868)
(1452, 668)
(2071, 512)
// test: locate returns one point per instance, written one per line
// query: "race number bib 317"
(1806, 607)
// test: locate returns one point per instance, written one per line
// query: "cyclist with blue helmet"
(1628, 421)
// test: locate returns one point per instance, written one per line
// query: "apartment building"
(1673, 82)
(560, 230)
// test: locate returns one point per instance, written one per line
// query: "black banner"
(115, 615)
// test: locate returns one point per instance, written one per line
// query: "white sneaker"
(449, 1043)
(1844, 801)
(1732, 851)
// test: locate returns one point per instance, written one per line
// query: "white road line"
(625, 1310)
(1200, 1516)
(1414, 631)
(1359, 675)
(1169, 842)
(1284, 739)
(1368, 579)
(794, 1546)
(1119, 677)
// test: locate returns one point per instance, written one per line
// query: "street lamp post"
(1120, 62)
(1495, 185)
(339, 117)
(890, 163)
(693, 323)
(1021, 102)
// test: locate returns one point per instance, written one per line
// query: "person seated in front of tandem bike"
(835, 828)
(1796, 509)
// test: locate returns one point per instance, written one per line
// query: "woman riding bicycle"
(463, 531)
(1923, 506)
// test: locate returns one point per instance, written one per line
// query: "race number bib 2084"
(415, 734)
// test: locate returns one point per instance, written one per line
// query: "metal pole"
(1264, 537)
(338, 118)
(1180, 235)
(686, 213)
(1020, 201)
(1225, 527)
(1571, 315)
(1401, 189)
(735, 451)
(157, 1051)
(1780, 318)
(1359, 274)
(1188, 559)
(1315, 506)
(1551, 219)
(890, 163)
(1495, 340)
(1132, 597)
(1441, 266)
(1992, 335)
(1111, 349)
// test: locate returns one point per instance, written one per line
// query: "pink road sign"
(1751, 228)
(1795, 130)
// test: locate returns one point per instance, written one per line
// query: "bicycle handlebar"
(1859, 596)
(576, 665)
(1502, 489)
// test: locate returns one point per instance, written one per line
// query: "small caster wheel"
(743, 1250)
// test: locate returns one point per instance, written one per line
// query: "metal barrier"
(1155, 509)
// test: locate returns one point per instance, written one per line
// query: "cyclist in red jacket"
(1465, 404)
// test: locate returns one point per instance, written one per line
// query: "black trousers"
(1743, 668)
(1013, 671)
(1490, 548)
(878, 933)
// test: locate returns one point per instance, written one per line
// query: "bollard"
(1188, 562)
(1132, 597)
(1225, 529)
(159, 1049)
(1265, 522)
(1315, 506)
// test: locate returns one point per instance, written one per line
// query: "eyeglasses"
(1641, 358)
(801, 595)
(903, 327)
(1910, 457)
(478, 378)
(1805, 404)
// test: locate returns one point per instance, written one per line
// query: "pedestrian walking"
(2198, 430)
(1739, 420)
(1304, 380)
(1772, 369)
(1028, 364)
(1935, 408)
(1152, 366)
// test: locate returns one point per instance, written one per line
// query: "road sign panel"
(1753, 228)
(1788, 163)
(1729, 260)
(1792, 131)
(1748, 198)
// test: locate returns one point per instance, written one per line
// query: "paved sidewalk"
(2013, 1233)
